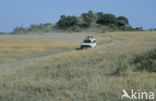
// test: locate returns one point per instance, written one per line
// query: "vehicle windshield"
(87, 41)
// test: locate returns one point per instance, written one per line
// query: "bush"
(145, 61)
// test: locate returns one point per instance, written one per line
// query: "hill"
(90, 21)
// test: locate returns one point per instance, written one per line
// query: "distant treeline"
(34, 28)
(4, 33)
(87, 20)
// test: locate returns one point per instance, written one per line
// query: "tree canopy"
(123, 18)
(106, 19)
(67, 21)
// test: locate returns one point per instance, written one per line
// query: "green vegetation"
(86, 21)
(106, 19)
(121, 20)
(94, 20)
(34, 29)
(67, 22)
(3, 33)
(146, 61)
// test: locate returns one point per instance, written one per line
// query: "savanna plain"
(50, 67)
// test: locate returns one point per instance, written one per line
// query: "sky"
(15, 13)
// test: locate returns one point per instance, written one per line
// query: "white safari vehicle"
(89, 41)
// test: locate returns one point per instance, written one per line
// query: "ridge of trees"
(89, 19)
(84, 21)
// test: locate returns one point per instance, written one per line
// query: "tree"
(19, 30)
(91, 15)
(99, 18)
(68, 21)
(88, 19)
(123, 19)
(106, 19)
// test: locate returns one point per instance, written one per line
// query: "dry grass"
(134, 36)
(87, 75)
(29, 48)
(14, 48)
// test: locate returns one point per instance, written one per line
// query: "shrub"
(145, 61)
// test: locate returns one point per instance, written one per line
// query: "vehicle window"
(87, 41)
(94, 41)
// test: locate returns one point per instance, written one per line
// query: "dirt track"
(77, 38)
(23, 62)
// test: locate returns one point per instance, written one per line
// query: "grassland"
(58, 72)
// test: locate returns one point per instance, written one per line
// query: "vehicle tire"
(81, 47)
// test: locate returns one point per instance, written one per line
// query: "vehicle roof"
(92, 39)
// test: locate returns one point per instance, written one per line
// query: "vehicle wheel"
(81, 47)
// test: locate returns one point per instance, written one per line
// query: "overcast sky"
(25, 12)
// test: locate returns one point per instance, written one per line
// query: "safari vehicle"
(88, 42)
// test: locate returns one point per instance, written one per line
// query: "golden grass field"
(49, 68)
